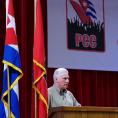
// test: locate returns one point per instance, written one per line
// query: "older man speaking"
(58, 95)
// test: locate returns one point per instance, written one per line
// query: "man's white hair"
(60, 72)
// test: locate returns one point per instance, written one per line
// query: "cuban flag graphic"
(9, 104)
(85, 9)
(91, 12)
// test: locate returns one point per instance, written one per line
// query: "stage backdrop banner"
(83, 34)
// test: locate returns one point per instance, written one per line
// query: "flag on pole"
(9, 104)
(39, 71)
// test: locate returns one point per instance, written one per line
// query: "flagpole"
(35, 93)
(35, 104)
(8, 79)
(8, 84)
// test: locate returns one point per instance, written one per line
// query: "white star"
(11, 24)
(85, 4)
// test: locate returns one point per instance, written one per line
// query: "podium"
(83, 112)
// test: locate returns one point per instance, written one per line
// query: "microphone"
(63, 91)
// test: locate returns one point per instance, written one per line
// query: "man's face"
(63, 82)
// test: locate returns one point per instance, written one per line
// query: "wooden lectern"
(83, 112)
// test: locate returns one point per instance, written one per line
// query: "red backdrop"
(94, 88)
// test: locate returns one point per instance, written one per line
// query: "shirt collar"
(60, 91)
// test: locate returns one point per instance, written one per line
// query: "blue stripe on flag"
(92, 9)
(14, 104)
(5, 86)
(90, 14)
(12, 61)
(90, 3)
(2, 110)
(12, 56)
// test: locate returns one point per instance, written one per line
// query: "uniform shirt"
(58, 98)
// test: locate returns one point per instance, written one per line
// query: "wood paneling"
(84, 112)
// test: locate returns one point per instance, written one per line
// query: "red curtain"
(94, 88)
